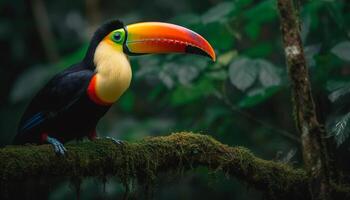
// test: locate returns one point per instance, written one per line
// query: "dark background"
(242, 99)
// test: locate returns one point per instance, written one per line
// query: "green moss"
(144, 160)
(341, 191)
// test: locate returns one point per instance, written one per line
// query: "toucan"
(71, 104)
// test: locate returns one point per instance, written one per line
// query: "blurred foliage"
(242, 99)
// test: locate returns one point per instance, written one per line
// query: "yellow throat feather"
(113, 71)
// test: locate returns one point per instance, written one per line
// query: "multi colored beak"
(157, 37)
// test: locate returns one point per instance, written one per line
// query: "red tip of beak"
(157, 37)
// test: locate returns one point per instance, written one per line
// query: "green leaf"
(305, 27)
(342, 50)
(336, 84)
(243, 73)
(218, 35)
(253, 30)
(336, 12)
(288, 157)
(339, 128)
(220, 75)
(218, 13)
(313, 8)
(186, 74)
(341, 91)
(166, 79)
(268, 75)
(259, 95)
(155, 92)
(148, 66)
(225, 58)
(337, 89)
(263, 49)
(169, 73)
(266, 11)
(185, 94)
(257, 15)
(310, 51)
(243, 3)
(270, 83)
(215, 112)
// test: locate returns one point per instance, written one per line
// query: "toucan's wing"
(60, 93)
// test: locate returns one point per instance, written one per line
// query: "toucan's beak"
(157, 37)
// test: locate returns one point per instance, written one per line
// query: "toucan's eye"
(117, 36)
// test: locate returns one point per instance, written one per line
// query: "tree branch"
(315, 153)
(145, 159)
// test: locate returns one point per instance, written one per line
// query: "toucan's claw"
(115, 141)
(57, 145)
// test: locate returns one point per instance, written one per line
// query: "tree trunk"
(315, 153)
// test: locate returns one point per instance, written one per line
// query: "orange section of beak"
(157, 37)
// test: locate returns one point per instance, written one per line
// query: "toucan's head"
(150, 37)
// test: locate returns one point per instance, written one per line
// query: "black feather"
(58, 96)
(100, 33)
(62, 107)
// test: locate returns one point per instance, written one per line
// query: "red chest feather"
(91, 91)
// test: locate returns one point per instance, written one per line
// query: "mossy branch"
(145, 159)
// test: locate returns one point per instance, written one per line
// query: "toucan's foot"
(57, 145)
(115, 141)
(93, 136)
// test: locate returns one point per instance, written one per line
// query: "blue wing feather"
(32, 122)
